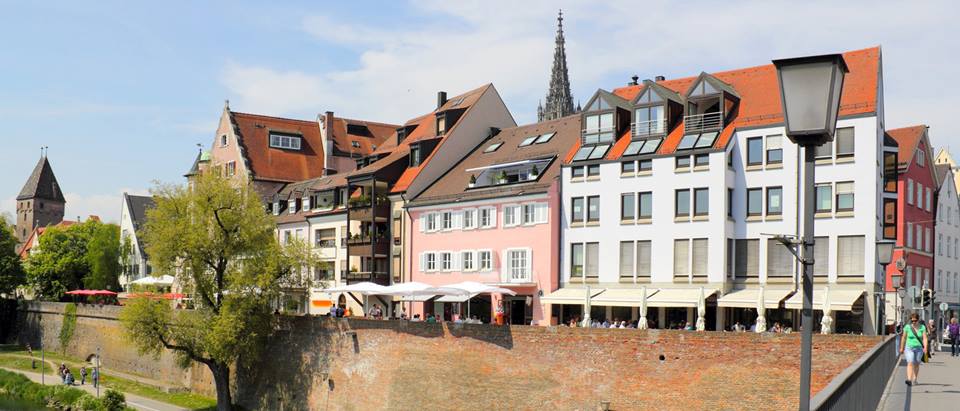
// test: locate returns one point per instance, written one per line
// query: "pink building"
(494, 218)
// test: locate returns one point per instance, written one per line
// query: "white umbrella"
(826, 323)
(586, 309)
(365, 288)
(642, 324)
(473, 287)
(761, 311)
(415, 289)
(151, 280)
(701, 312)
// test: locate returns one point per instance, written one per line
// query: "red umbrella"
(81, 292)
(102, 292)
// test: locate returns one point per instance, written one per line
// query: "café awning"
(622, 297)
(678, 297)
(568, 295)
(454, 298)
(840, 300)
(747, 298)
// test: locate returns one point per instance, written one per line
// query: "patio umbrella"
(365, 288)
(80, 292)
(642, 324)
(701, 311)
(586, 309)
(761, 311)
(826, 323)
(473, 287)
(151, 280)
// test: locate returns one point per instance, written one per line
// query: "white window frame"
(489, 263)
(525, 272)
(446, 261)
(472, 213)
(910, 191)
(430, 262)
(431, 222)
(464, 260)
(491, 217)
(446, 220)
(513, 210)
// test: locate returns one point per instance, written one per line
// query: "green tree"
(11, 271)
(218, 241)
(103, 257)
(85, 255)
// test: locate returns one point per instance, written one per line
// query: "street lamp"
(884, 256)
(810, 89)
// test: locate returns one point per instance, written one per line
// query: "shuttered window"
(779, 259)
(643, 258)
(747, 258)
(700, 257)
(821, 256)
(850, 254)
(681, 257)
(626, 258)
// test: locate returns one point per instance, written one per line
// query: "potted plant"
(502, 177)
(473, 181)
(534, 172)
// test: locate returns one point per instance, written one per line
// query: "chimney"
(633, 80)
(441, 99)
(659, 78)
(327, 136)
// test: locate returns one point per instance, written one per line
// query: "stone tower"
(40, 202)
(559, 98)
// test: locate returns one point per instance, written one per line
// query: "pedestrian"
(83, 375)
(932, 329)
(95, 375)
(33, 362)
(68, 378)
(63, 372)
(914, 346)
(954, 331)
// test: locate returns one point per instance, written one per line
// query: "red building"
(915, 216)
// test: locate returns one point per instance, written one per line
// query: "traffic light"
(926, 297)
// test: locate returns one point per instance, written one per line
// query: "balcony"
(382, 278)
(649, 128)
(379, 212)
(697, 123)
(598, 135)
(364, 246)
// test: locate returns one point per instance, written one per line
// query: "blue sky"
(122, 92)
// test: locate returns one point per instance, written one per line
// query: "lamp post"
(884, 256)
(896, 281)
(810, 89)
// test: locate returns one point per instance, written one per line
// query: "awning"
(622, 297)
(679, 297)
(454, 298)
(569, 295)
(747, 298)
(840, 300)
(416, 298)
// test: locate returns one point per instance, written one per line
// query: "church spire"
(559, 99)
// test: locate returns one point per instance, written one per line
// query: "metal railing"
(648, 128)
(702, 122)
(861, 385)
(592, 136)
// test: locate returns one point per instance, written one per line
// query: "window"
(469, 219)
(774, 149)
(681, 257)
(646, 205)
(441, 124)
(628, 167)
(929, 198)
(919, 194)
(850, 252)
(598, 129)
(747, 258)
(593, 170)
(825, 150)
(754, 201)
(779, 259)
(701, 201)
(701, 160)
(928, 237)
(754, 151)
(576, 260)
(649, 120)
(700, 257)
(488, 217)
(518, 264)
(325, 238)
(688, 141)
(446, 261)
(431, 222)
(285, 141)
(628, 206)
(535, 213)
(729, 202)
(223, 140)
(446, 220)
(910, 191)
(643, 258)
(824, 198)
(485, 260)
(940, 245)
(415, 155)
(493, 147)
(593, 208)
(918, 239)
(592, 265)
(774, 200)
(821, 256)
(528, 141)
(845, 196)
(231, 169)
(730, 257)
(844, 139)
(683, 162)
(576, 210)
(645, 165)
(543, 138)
(510, 216)
(626, 258)
(466, 261)
(431, 261)
(910, 235)
(577, 172)
(682, 203)
(890, 218)
(323, 272)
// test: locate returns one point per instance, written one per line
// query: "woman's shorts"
(913, 355)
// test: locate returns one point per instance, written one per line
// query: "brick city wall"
(322, 363)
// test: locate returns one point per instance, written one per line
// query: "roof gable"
(662, 92)
(605, 100)
(708, 84)
(42, 184)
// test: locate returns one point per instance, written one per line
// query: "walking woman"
(914, 345)
(954, 330)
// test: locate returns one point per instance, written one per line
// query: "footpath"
(937, 388)
(134, 401)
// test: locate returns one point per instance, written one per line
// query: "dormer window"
(415, 155)
(509, 173)
(709, 103)
(285, 141)
(441, 124)
(598, 128)
(649, 117)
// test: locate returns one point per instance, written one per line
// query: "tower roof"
(559, 98)
(42, 184)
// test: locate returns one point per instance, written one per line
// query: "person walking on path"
(914, 346)
(954, 330)
(95, 376)
(934, 342)
(83, 375)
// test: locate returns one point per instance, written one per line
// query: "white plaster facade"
(947, 247)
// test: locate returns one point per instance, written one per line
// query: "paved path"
(937, 388)
(75, 365)
(134, 401)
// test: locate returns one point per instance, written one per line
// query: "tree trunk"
(221, 378)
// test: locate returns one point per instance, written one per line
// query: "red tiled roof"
(276, 164)
(37, 232)
(760, 95)
(379, 134)
(907, 138)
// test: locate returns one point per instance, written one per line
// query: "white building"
(132, 217)
(946, 262)
(677, 185)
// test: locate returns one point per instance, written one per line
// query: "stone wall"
(323, 363)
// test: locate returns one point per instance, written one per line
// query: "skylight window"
(528, 141)
(651, 146)
(544, 138)
(688, 141)
(456, 102)
(598, 152)
(285, 141)
(493, 147)
(634, 147)
(582, 154)
(706, 139)
(691, 141)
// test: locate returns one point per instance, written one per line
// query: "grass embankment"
(13, 358)
(20, 387)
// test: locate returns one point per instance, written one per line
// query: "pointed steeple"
(559, 97)
(42, 183)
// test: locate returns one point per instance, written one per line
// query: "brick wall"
(322, 363)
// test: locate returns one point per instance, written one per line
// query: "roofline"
(466, 202)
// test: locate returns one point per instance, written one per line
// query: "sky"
(122, 92)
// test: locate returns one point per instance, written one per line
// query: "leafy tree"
(83, 255)
(103, 257)
(11, 272)
(218, 241)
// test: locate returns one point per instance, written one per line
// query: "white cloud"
(399, 68)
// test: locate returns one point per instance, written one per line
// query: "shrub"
(69, 324)
(113, 400)
(58, 396)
